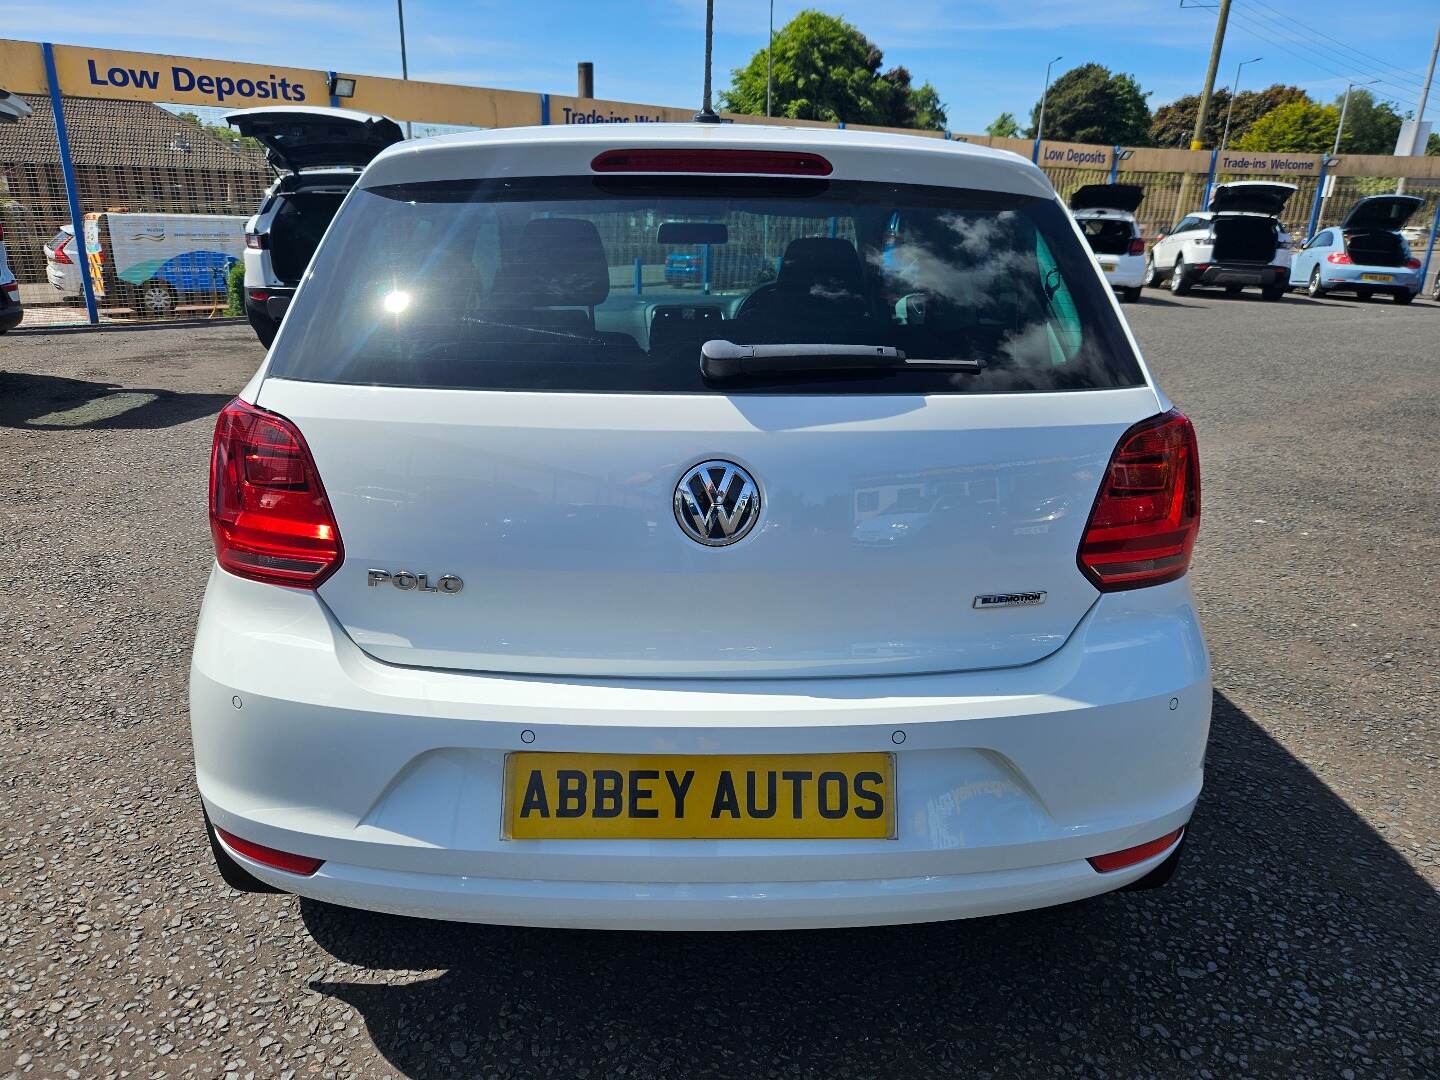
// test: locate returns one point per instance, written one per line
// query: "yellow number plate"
(1377, 277)
(710, 797)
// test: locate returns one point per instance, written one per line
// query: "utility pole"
(1420, 109)
(1202, 111)
(1202, 114)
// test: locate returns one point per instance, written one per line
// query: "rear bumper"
(1006, 781)
(1242, 274)
(272, 308)
(1127, 273)
(10, 315)
(1353, 277)
(774, 905)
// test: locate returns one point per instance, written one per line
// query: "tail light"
(1142, 528)
(272, 857)
(756, 162)
(11, 287)
(1412, 264)
(254, 241)
(1119, 860)
(60, 255)
(268, 511)
(1339, 257)
(1137, 246)
(259, 295)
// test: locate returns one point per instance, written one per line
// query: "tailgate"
(883, 519)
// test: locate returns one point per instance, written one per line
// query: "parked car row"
(1240, 242)
(12, 108)
(156, 262)
(11, 310)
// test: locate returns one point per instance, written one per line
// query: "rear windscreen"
(1107, 237)
(612, 284)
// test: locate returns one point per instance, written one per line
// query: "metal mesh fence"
(164, 200)
(164, 196)
(1160, 209)
(752, 255)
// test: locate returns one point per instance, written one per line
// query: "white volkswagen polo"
(551, 593)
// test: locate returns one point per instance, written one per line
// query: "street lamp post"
(1234, 93)
(1040, 120)
(770, 63)
(404, 63)
(1344, 108)
(1329, 181)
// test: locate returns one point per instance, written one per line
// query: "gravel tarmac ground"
(1301, 938)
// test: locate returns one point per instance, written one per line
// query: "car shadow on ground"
(1294, 938)
(50, 402)
(1160, 299)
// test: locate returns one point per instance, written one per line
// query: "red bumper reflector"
(1119, 860)
(268, 856)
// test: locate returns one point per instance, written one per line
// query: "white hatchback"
(549, 592)
(1106, 215)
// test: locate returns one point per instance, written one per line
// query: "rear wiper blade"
(721, 359)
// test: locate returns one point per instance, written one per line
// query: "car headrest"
(822, 268)
(558, 262)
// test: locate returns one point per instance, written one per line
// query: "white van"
(156, 262)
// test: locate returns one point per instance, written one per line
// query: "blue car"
(727, 270)
(1365, 254)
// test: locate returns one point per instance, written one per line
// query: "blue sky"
(984, 56)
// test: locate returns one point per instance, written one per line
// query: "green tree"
(826, 69)
(1004, 126)
(1370, 127)
(924, 107)
(1297, 127)
(223, 132)
(1432, 146)
(1091, 104)
(1174, 124)
(1251, 105)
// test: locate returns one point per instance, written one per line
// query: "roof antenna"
(706, 115)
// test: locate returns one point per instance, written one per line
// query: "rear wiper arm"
(725, 360)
